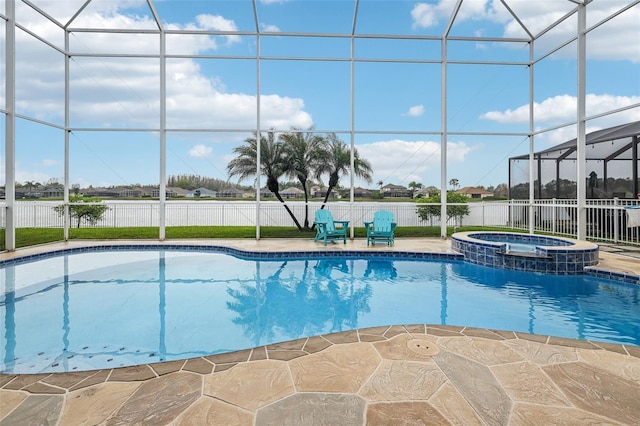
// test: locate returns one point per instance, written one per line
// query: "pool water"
(521, 248)
(87, 311)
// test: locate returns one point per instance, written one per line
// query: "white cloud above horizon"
(538, 16)
(400, 161)
(416, 111)
(562, 108)
(200, 151)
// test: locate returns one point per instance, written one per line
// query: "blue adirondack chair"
(326, 229)
(382, 228)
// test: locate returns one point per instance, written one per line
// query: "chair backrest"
(325, 216)
(382, 220)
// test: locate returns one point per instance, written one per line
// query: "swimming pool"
(105, 309)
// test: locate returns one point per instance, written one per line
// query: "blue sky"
(397, 104)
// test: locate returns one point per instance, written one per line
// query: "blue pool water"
(521, 248)
(84, 311)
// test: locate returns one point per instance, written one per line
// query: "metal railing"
(606, 219)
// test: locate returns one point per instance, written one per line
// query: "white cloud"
(49, 162)
(425, 15)
(400, 162)
(218, 23)
(612, 41)
(562, 108)
(267, 28)
(416, 111)
(200, 151)
(125, 90)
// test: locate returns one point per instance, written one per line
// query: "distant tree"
(82, 210)
(432, 190)
(414, 186)
(75, 188)
(520, 191)
(453, 211)
(54, 183)
(455, 183)
(184, 184)
(31, 184)
(502, 190)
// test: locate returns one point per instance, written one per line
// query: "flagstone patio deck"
(402, 374)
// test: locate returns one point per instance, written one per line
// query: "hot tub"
(526, 252)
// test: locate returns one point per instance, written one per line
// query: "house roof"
(472, 190)
(292, 190)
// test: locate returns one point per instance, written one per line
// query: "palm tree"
(454, 183)
(272, 159)
(339, 164)
(414, 186)
(305, 153)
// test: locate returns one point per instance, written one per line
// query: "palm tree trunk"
(279, 197)
(306, 209)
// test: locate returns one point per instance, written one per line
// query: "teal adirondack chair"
(382, 228)
(326, 229)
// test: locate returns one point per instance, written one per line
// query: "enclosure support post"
(532, 194)
(581, 135)
(634, 166)
(163, 135)
(443, 118)
(352, 231)
(443, 142)
(258, 133)
(66, 219)
(10, 127)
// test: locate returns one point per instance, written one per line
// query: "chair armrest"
(344, 223)
(393, 226)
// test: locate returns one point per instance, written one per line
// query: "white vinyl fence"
(606, 219)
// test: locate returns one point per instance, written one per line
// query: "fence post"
(616, 224)
(554, 216)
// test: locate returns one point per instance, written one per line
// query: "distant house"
(391, 190)
(129, 192)
(360, 192)
(202, 193)
(170, 192)
(53, 192)
(472, 192)
(292, 192)
(100, 192)
(230, 193)
(318, 192)
(265, 193)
